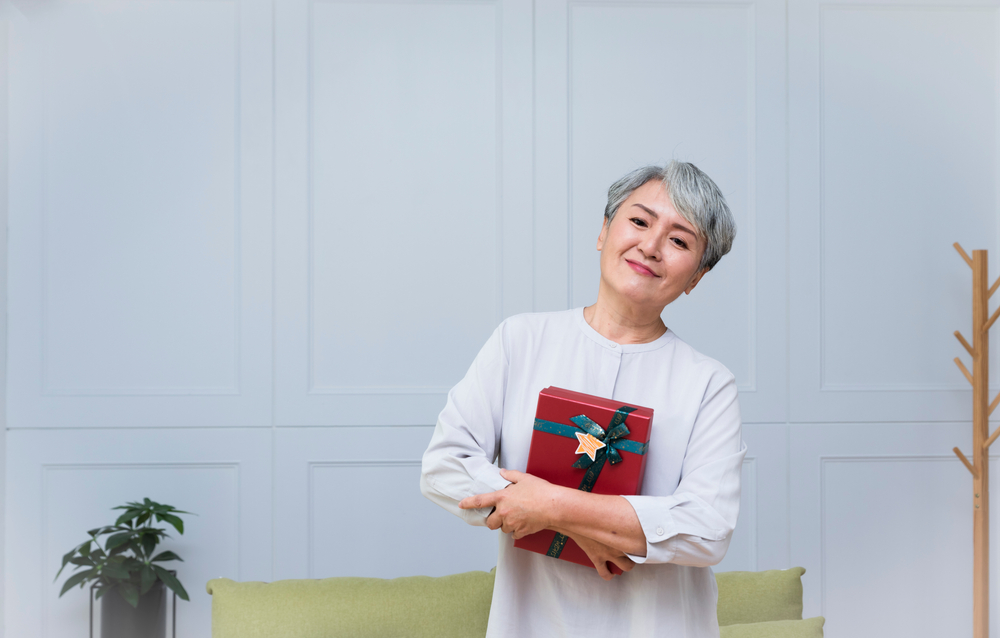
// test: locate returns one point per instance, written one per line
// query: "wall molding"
(311, 468)
(824, 386)
(750, 7)
(48, 468)
(312, 388)
(47, 390)
(825, 460)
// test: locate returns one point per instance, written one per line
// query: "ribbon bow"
(611, 441)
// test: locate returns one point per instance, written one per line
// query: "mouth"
(639, 268)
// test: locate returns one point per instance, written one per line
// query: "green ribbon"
(613, 439)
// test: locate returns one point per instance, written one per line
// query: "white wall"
(253, 243)
(4, 63)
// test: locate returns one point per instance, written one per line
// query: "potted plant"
(126, 573)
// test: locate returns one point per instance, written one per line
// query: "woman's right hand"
(601, 554)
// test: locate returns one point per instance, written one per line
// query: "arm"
(693, 526)
(530, 504)
(458, 461)
(690, 527)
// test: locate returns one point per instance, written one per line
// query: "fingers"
(624, 563)
(478, 501)
(511, 475)
(494, 521)
(602, 570)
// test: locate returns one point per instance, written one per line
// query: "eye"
(640, 222)
(679, 242)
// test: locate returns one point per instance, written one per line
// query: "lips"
(639, 268)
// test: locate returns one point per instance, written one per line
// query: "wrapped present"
(588, 443)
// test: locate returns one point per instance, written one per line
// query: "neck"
(623, 322)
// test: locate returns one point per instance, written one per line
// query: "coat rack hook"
(964, 343)
(993, 437)
(965, 255)
(965, 371)
(993, 404)
(961, 457)
(992, 319)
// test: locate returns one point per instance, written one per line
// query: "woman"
(664, 228)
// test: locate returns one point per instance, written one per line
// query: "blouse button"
(659, 531)
(613, 344)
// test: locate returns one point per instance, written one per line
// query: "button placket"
(611, 368)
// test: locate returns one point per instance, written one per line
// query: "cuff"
(489, 480)
(657, 525)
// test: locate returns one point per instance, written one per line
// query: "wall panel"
(760, 540)
(881, 519)
(68, 481)
(609, 100)
(894, 112)
(358, 488)
(140, 283)
(614, 131)
(407, 120)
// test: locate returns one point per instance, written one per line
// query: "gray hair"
(693, 194)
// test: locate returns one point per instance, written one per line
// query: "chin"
(640, 299)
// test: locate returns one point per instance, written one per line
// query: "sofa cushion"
(808, 628)
(753, 597)
(411, 607)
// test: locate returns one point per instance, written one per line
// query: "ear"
(603, 235)
(695, 280)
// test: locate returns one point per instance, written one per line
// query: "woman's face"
(649, 253)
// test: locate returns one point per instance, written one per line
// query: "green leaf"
(148, 578)
(130, 593)
(100, 592)
(65, 561)
(168, 555)
(170, 581)
(82, 560)
(76, 579)
(149, 542)
(147, 502)
(115, 571)
(173, 520)
(142, 519)
(129, 514)
(117, 539)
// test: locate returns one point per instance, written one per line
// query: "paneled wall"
(253, 243)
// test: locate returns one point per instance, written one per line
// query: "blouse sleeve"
(693, 526)
(459, 460)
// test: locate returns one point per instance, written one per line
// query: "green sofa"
(751, 605)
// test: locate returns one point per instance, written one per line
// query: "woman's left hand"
(520, 509)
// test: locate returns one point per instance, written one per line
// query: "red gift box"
(589, 443)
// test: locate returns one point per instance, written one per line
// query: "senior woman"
(664, 228)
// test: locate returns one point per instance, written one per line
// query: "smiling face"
(649, 253)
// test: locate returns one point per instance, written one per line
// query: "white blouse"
(690, 494)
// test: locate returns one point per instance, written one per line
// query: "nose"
(650, 246)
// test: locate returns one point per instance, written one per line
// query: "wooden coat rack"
(981, 438)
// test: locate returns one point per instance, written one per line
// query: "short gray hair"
(693, 194)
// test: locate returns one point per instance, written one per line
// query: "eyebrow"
(675, 225)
